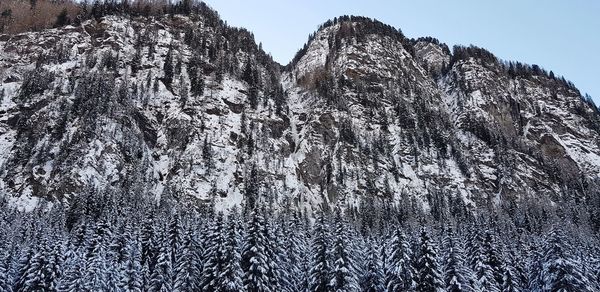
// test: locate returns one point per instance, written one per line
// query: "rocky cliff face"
(190, 109)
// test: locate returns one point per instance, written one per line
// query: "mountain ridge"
(362, 87)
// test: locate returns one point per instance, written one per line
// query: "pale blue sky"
(559, 35)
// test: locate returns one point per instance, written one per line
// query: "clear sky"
(559, 35)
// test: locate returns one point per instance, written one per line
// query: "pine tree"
(296, 254)
(196, 77)
(509, 283)
(41, 272)
(372, 280)
(207, 156)
(156, 86)
(493, 257)
(161, 278)
(230, 280)
(255, 261)
(131, 278)
(560, 271)
(596, 266)
(23, 265)
(100, 238)
(534, 267)
(136, 62)
(148, 243)
(457, 275)
(183, 91)
(118, 246)
(283, 255)
(146, 278)
(273, 254)
(252, 188)
(516, 262)
(253, 96)
(484, 274)
(319, 273)
(482, 271)
(428, 273)
(213, 256)
(73, 278)
(174, 236)
(248, 73)
(62, 19)
(188, 265)
(400, 274)
(5, 277)
(168, 68)
(96, 276)
(280, 100)
(343, 270)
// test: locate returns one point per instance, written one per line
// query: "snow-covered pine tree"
(596, 265)
(100, 238)
(319, 272)
(213, 255)
(79, 234)
(73, 276)
(561, 271)
(509, 281)
(484, 274)
(275, 251)
(53, 269)
(296, 254)
(255, 261)
(148, 242)
(161, 279)
(96, 276)
(428, 274)
(457, 275)
(479, 264)
(472, 245)
(118, 245)
(31, 277)
(174, 236)
(230, 279)
(131, 271)
(400, 272)
(515, 276)
(516, 261)
(41, 272)
(207, 156)
(146, 277)
(188, 265)
(22, 266)
(534, 266)
(372, 281)
(493, 257)
(343, 272)
(5, 277)
(168, 68)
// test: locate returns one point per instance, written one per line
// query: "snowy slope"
(365, 118)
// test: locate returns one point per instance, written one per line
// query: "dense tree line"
(130, 244)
